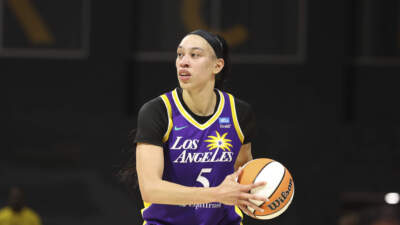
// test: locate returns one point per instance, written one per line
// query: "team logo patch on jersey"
(219, 142)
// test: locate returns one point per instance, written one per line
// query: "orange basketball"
(279, 189)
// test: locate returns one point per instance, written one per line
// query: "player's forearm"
(165, 192)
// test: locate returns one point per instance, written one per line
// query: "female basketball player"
(192, 139)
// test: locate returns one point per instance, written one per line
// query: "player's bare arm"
(244, 156)
(150, 164)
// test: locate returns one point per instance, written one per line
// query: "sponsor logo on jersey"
(179, 128)
(211, 205)
(224, 120)
(225, 125)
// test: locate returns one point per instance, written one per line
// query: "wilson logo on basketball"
(281, 199)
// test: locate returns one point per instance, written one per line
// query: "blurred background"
(322, 77)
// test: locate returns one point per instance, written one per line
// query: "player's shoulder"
(240, 103)
(155, 104)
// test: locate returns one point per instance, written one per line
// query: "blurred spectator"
(349, 219)
(17, 213)
(386, 221)
(388, 215)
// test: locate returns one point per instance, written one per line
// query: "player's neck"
(200, 101)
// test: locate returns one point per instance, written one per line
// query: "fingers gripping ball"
(279, 189)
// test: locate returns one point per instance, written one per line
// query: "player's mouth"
(184, 75)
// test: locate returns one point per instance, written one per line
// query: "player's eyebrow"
(193, 48)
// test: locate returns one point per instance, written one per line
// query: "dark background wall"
(320, 75)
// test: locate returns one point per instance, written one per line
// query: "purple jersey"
(198, 155)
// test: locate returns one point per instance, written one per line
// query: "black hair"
(221, 49)
(226, 70)
(127, 172)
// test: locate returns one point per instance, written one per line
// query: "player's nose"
(184, 61)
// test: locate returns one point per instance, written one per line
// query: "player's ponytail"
(127, 172)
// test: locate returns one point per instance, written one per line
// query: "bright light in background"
(392, 198)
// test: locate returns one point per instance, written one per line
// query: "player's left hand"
(246, 211)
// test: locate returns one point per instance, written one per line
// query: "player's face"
(196, 63)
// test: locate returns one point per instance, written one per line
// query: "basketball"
(279, 189)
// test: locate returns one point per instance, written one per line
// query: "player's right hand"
(230, 192)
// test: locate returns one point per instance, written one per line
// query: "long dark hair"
(127, 172)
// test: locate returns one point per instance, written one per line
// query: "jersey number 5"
(203, 180)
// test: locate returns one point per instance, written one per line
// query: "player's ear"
(219, 65)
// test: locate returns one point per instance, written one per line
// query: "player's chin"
(185, 85)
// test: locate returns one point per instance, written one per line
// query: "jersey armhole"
(169, 113)
(235, 119)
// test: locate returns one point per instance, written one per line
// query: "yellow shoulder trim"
(169, 112)
(235, 119)
(189, 118)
